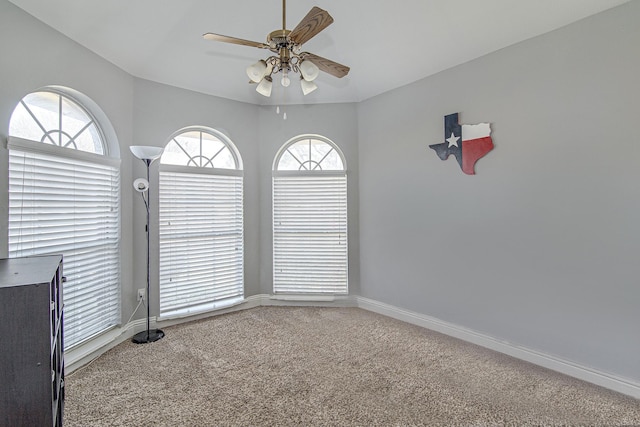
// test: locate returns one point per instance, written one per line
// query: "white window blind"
(310, 233)
(62, 201)
(201, 240)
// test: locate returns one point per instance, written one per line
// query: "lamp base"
(144, 337)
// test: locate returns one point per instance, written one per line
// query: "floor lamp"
(147, 154)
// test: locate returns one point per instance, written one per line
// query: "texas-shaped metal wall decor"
(468, 143)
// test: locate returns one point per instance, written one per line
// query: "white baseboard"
(249, 302)
(612, 382)
(310, 300)
(84, 354)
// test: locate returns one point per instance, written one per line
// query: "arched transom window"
(55, 119)
(201, 223)
(64, 199)
(310, 154)
(200, 148)
(310, 218)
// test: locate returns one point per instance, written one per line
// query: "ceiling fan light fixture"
(264, 88)
(257, 71)
(286, 46)
(309, 70)
(307, 86)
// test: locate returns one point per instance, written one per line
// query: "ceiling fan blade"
(327, 65)
(315, 21)
(233, 40)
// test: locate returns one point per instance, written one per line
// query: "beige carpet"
(277, 366)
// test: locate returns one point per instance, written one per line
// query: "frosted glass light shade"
(257, 71)
(141, 185)
(264, 88)
(307, 86)
(309, 70)
(146, 152)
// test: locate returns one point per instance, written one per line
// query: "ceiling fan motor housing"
(278, 39)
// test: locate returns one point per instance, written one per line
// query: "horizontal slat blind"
(310, 234)
(201, 242)
(64, 205)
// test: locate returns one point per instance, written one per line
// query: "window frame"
(17, 146)
(188, 172)
(83, 104)
(278, 175)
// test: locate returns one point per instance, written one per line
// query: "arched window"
(64, 199)
(201, 223)
(55, 119)
(310, 218)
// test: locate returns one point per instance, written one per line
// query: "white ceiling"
(387, 44)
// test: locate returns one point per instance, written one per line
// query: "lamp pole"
(147, 155)
(148, 162)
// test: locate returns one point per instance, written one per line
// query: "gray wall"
(537, 249)
(34, 56)
(540, 247)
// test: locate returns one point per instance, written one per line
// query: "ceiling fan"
(287, 46)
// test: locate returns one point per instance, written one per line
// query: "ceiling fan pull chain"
(284, 103)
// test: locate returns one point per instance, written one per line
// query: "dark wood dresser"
(31, 341)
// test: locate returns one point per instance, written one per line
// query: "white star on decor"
(453, 140)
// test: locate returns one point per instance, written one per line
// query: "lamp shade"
(146, 152)
(257, 71)
(141, 185)
(264, 88)
(307, 86)
(309, 70)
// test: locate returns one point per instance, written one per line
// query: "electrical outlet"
(141, 294)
